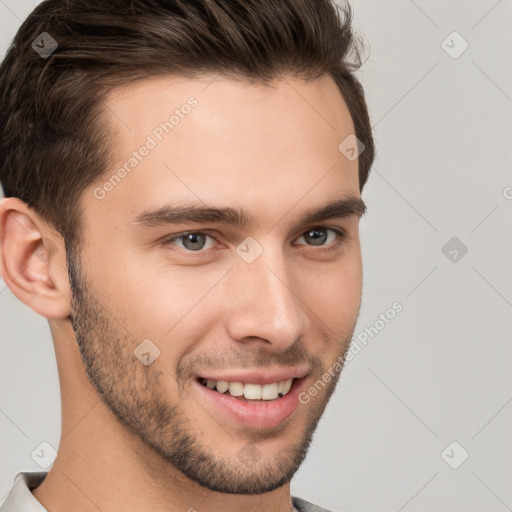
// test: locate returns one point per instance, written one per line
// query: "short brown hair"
(53, 143)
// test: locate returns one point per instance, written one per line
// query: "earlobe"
(32, 263)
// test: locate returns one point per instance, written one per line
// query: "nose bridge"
(266, 305)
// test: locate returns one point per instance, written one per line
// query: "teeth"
(236, 389)
(222, 386)
(251, 391)
(270, 391)
(287, 384)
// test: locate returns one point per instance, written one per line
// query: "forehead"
(228, 142)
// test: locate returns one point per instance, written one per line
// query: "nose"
(265, 304)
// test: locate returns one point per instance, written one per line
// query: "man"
(183, 194)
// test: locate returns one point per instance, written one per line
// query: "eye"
(194, 241)
(318, 236)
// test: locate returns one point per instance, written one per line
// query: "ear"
(32, 260)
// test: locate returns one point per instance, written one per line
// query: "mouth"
(254, 404)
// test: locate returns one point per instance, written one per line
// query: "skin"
(137, 437)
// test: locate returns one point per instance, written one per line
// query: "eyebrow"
(189, 213)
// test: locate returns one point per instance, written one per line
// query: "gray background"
(440, 371)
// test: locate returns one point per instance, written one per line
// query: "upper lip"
(258, 376)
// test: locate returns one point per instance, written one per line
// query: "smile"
(252, 404)
(248, 390)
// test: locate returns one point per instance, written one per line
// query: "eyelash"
(340, 232)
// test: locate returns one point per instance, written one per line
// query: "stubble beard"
(134, 394)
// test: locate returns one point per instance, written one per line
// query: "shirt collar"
(20, 497)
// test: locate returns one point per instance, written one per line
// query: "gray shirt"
(20, 499)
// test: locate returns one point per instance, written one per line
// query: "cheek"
(333, 291)
(162, 302)
(333, 298)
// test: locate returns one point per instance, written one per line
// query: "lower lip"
(262, 414)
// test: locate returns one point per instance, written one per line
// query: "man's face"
(262, 303)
